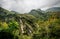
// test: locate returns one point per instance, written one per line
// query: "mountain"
(53, 12)
(39, 14)
(53, 9)
(36, 24)
(6, 15)
(25, 21)
(4, 11)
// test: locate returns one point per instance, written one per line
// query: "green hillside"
(39, 14)
(36, 24)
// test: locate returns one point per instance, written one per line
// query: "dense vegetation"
(36, 24)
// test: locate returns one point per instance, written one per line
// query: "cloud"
(26, 5)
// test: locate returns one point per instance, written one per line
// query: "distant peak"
(54, 9)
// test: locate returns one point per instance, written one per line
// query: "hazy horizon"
(24, 6)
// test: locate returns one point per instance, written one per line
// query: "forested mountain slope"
(36, 24)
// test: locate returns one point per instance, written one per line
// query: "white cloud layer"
(26, 5)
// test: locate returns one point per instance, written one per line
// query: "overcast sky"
(26, 5)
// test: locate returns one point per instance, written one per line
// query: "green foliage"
(35, 25)
(6, 35)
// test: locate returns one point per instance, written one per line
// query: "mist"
(24, 6)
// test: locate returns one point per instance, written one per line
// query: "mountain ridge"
(53, 9)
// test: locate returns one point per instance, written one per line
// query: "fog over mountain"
(24, 6)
